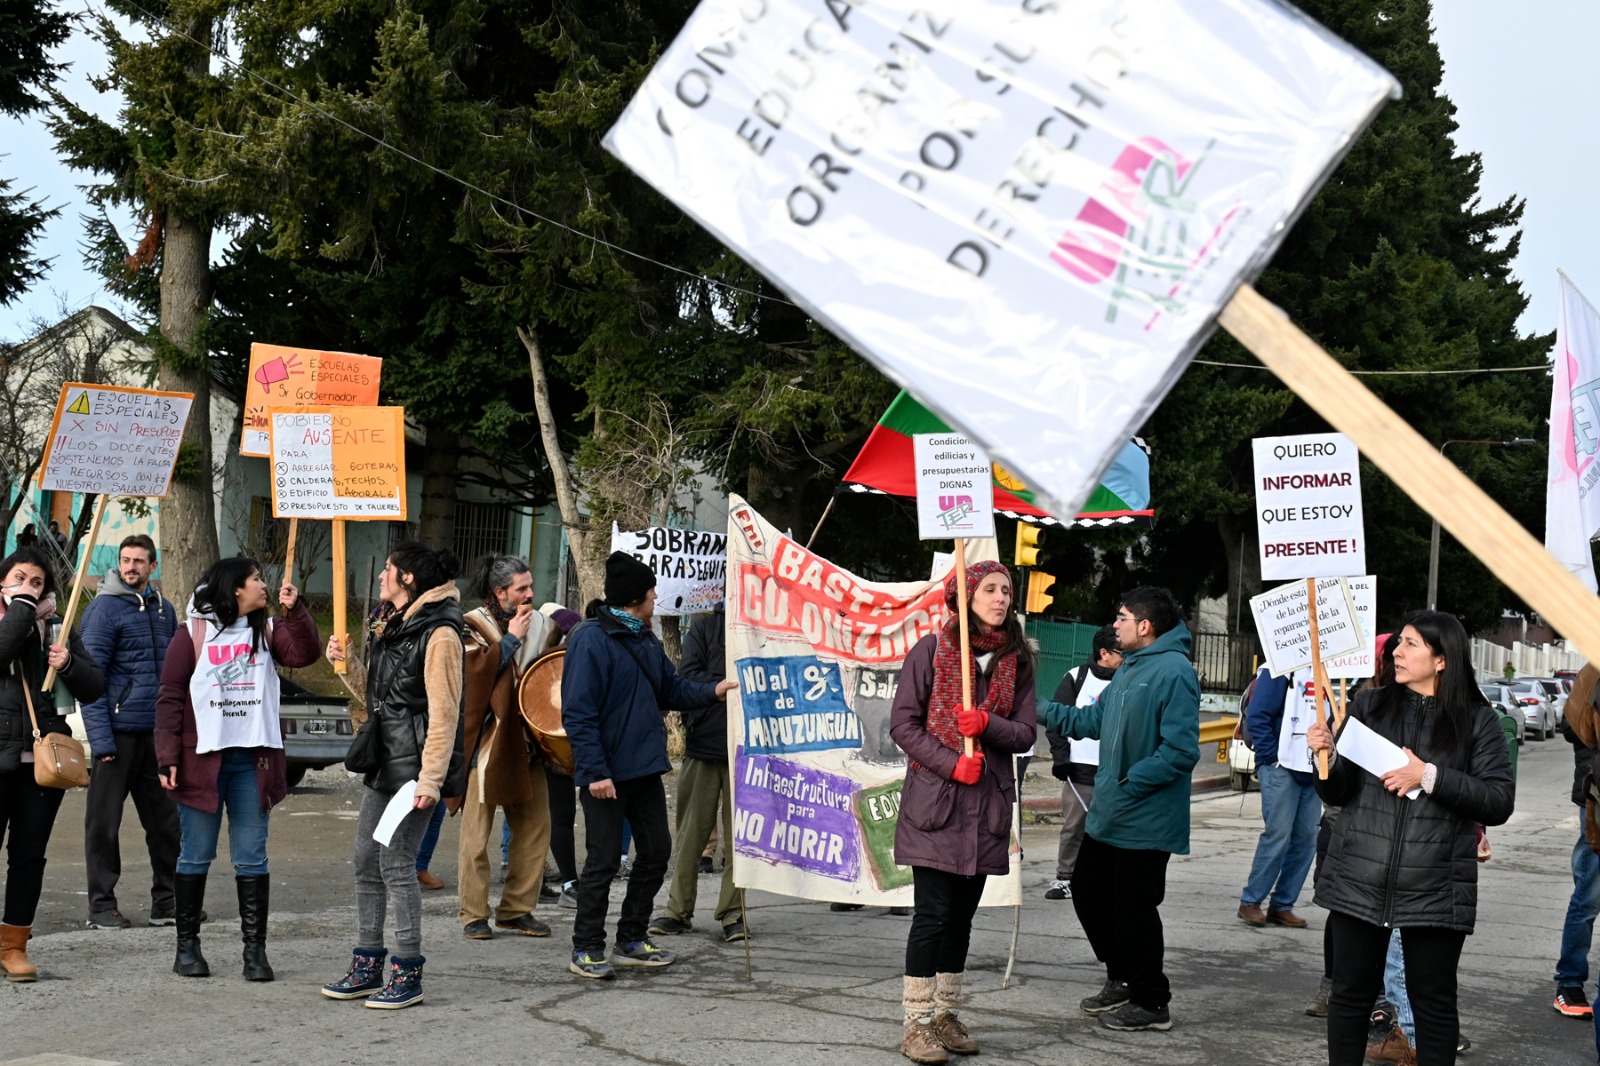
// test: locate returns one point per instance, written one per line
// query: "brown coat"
(497, 743)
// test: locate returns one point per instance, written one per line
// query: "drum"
(539, 699)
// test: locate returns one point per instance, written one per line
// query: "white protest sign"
(1308, 506)
(1361, 664)
(1027, 213)
(1285, 631)
(955, 487)
(117, 441)
(691, 566)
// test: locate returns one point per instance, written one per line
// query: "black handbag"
(365, 754)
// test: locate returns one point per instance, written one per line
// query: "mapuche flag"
(885, 465)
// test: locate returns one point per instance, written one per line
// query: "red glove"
(968, 769)
(972, 722)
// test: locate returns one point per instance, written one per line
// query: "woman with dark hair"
(28, 809)
(415, 663)
(955, 811)
(220, 747)
(1398, 862)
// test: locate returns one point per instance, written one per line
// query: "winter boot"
(365, 976)
(1318, 1006)
(253, 895)
(405, 985)
(946, 1026)
(920, 1043)
(14, 953)
(190, 893)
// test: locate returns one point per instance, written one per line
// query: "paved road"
(822, 983)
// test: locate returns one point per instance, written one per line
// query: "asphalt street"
(819, 983)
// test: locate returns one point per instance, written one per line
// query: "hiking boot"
(733, 931)
(1318, 1007)
(478, 930)
(1059, 889)
(667, 925)
(641, 953)
(1394, 1047)
(111, 919)
(1571, 1001)
(527, 925)
(404, 988)
(364, 977)
(1130, 1017)
(591, 964)
(1112, 996)
(953, 1036)
(921, 1044)
(1250, 914)
(428, 881)
(1286, 918)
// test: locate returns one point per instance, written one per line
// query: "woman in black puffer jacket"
(1405, 863)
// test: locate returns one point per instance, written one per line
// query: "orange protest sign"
(338, 462)
(289, 377)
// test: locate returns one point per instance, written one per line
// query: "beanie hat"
(565, 619)
(627, 579)
(976, 572)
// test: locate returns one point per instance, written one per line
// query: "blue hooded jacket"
(127, 634)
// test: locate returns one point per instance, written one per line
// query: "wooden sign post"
(967, 743)
(288, 552)
(85, 554)
(340, 632)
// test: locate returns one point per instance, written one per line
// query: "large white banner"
(1308, 506)
(816, 778)
(1572, 504)
(691, 566)
(1026, 212)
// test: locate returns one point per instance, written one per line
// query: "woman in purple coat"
(955, 810)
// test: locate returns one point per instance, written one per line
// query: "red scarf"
(944, 702)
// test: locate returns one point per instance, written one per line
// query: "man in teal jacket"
(1148, 724)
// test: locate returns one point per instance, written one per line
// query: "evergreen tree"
(29, 29)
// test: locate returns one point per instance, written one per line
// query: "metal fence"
(1225, 662)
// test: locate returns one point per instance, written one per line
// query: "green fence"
(1063, 647)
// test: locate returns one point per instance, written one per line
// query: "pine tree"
(29, 29)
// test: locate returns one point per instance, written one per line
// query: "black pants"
(27, 815)
(941, 928)
(563, 817)
(131, 773)
(1117, 893)
(643, 803)
(1432, 956)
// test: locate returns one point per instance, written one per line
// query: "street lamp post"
(1433, 542)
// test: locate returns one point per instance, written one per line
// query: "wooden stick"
(1415, 465)
(288, 554)
(826, 511)
(71, 612)
(968, 743)
(1318, 675)
(339, 631)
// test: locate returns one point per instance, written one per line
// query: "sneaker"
(641, 953)
(111, 919)
(1463, 1045)
(1572, 1002)
(164, 913)
(625, 869)
(590, 964)
(1059, 889)
(526, 924)
(365, 977)
(404, 988)
(478, 930)
(703, 866)
(837, 907)
(549, 893)
(734, 930)
(569, 896)
(1112, 996)
(667, 925)
(1130, 1017)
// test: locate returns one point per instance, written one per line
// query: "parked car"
(1529, 702)
(316, 729)
(1557, 691)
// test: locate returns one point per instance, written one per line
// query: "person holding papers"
(1404, 852)
(415, 665)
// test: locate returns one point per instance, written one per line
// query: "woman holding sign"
(954, 828)
(1404, 852)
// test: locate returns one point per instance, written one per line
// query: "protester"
(1280, 711)
(1074, 763)
(1581, 727)
(219, 744)
(562, 789)
(414, 694)
(616, 684)
(27, 809)
(1148, 724)
(1411, 863)
(127, 629)
(954, 829)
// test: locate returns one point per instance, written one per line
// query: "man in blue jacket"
(1148, 723)
(1280, 712)
(126, 630)
(616, 684)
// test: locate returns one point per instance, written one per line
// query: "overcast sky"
(1526, 99)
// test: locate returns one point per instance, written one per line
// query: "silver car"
(1527, 699)
(1556, 690)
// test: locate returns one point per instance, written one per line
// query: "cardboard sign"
(1362, 664)
(1282, 623)
(297, 377)
(1308, 506)
(118, 441)
(1027, 213)
(955, 487)
(691, 566)
(338, 462)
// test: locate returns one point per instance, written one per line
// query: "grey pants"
(384, 873)
(1073, 814)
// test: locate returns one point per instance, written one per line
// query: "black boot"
(190, 893)
(253, 921)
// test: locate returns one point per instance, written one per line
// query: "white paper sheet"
(1371, 752)
(395, 813)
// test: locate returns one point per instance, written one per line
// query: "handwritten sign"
(691, 566)
(295, 377)
(1284, 626)
(117, 441)
(338, 462)
(955, 487)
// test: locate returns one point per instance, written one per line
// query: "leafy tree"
(29, 29)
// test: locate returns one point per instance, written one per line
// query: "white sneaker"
(1059, 890)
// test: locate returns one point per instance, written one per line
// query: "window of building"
(481, 528)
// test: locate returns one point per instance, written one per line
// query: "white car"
(1557, 691)
(1528, 700)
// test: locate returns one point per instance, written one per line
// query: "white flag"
(1027, 213)
(1572, 504)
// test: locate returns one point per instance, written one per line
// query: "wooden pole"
(339, 592)
(826, 511)
(288, 554)
(1316, 669)
(1415, 465)
(968, 743)
(71, 611)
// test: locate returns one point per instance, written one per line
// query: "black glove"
(32, 602)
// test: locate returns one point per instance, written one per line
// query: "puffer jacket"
(1398, 862)
(22, 661)
(416, 697)
(127, 633)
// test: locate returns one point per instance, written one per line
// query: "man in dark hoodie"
(126, 630)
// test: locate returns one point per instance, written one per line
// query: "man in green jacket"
(1148, 723)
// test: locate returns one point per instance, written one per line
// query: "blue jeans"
(1289, 841)
(430, 839)
(1572, 968)
(240, 795)
(1394, 987)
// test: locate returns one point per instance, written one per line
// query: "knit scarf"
(944, 702)
(634, 624)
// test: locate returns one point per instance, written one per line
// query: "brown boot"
(1394, 1048)
(946, 1026)
(14, 953)
(920, 1043)
(1250, 914)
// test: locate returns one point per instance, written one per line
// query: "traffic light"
(1039, 598)
(1028, 537)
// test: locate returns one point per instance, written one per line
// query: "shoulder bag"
(58, 759)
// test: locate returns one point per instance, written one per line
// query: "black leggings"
(941, 929)
(27, 815)
(1431, 955)
(563, 814)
